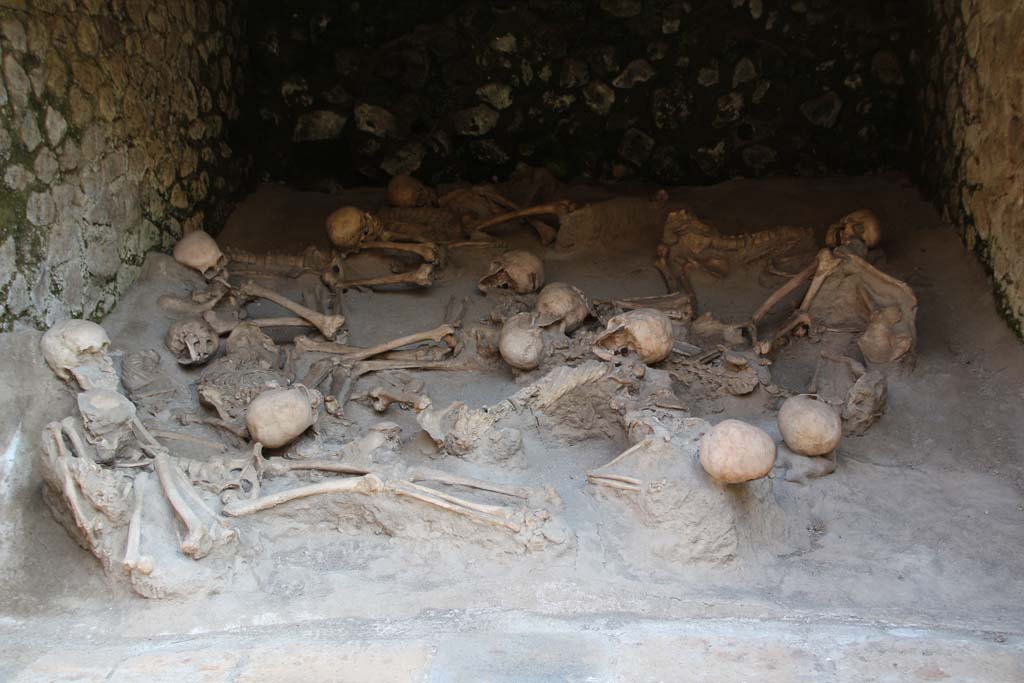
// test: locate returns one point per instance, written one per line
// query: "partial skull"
(860, 225)
(198, 251)
(406, 192)
(734, 452)
(518, 271)
(644, 333)
(279, 416)
(521, 343)
(79, 349)
(809, 426)
(107, 416)
(561, 303)
(348, 227)
(193, 342)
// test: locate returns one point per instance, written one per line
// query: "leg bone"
(367, 484)
(329, 325)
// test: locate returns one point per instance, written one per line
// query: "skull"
(734, 452)
(277, 417)
(193, 342)
(198, 251)
(561, 303)
(348, 227)
(79, 348)
(407, 192)
(645, 333)
(860, 225)
(518, 271)
(521, 342)
(809, 426)
(107, 416)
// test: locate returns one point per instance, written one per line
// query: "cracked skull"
(860, 225)
(645, 333)
(277, 417)
(79, 349)
(198, 251)
(404, 191)
(348, 227)
(561, 303)
(193, 342)
(518, 271)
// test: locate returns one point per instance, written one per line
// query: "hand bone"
(201, 535)
(329, 325)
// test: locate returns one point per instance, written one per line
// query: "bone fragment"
(224, 323)
(422, 276)
(367, 484)
(133, 559)
(329, 325)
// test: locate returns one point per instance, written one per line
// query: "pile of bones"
(171, 509)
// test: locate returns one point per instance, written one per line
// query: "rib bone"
(329, 325)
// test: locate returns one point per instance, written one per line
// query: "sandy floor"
(920, 527)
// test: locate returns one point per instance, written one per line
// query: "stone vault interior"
(695, 158)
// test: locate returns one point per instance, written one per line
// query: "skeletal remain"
(860, 225)
(675, 305)
(421, 277)
(809, 426)
(107, 417)
(223, 323)
(558, 209)
(198, 251)
(383, 398)
(311, 260)
(645, 333)
(860, 395)
(689, 242)
(518, 271)
(561, 303)
(277, 417)
(848, 294)
(521, 343)
(199, 303)
(734, 452)
(734, 377)
(456, 480)
(406, 191)
(193, 342)
(204, 531)
(348, 227)
(799, 468)
(707, 327)
(427, 353)
(490, 514)
(329, 325)
(80, 349)
(482, 203)
(134, 560)
(441, 333)
(429, 252)
(366, 484)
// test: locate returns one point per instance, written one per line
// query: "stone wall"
(972, 135)
(677, 92)
(113, 141)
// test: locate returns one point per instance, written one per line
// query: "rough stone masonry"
(113, 141)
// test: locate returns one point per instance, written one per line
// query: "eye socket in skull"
(79, 349)
(560, 302)
(193, 342)
(348, 227)
(521, 343)
(198, 251)
(277, 417)
(860, 225)
(518, 271)
(644, 333)
(407, 192)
